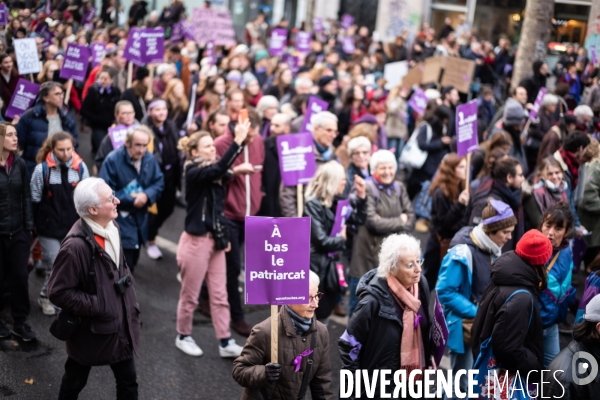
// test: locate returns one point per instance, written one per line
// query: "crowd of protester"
(515, 216)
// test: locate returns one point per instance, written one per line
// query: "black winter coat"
(559, 381)
(16, 212)
(99, 108)
(517, 344)
(436, 150)
(137, 102)
(376, 326)
(446, 215)
(271, 180)
(166, 152)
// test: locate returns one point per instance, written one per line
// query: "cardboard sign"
(439, 332)
(117, 135)
(413, 77)
(303, 40)
(394, 72)
(348, 45)
(98, 51)
(418, 101)
(296, 158)
(538, 103)
(432, 69)
(313, 107)
(27, 56)
(3, 15)
(22, 98)
(214, 25)
(277, 260)
(145, 46)
(347, 21)
(277, 42)
(76, 62)
(458, 72)
(466, 128)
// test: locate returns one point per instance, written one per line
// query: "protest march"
(223, 201)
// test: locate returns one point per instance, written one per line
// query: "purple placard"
(292, 62)
(439, 332)
(593, 55)
(277, 42)
(313, 107)
(210, 52)
(348, 45)
(418, 101)
(466, 128)
(188, 30)
(277, 260)
(98, 51)
(88, 18)
(537, 104)
(3, 15)
(343, 211)
(117, 135)
(209, 24)
(22, 98)
(303, 42)
(296, 158)
(318, 25)
(145, 46)
(347, 21)
(76, 62)
(177, 32)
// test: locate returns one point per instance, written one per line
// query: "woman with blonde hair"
(322, 195)
(47, 72)
(177, 102)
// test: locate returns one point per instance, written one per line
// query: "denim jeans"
(551, 344)
(50, 248)
(461, 361)
(353, 301)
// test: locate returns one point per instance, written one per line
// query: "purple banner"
(209, 24)
(210, 52)
(296, 158)
(466, 128)
(347, 21)
(76, 62)
(145, 46)
(88, 18)
(314, 106)
(117, 135)
(318, 25)
(277, 260)
(3, 15)
(537, 104)
(98, 50)
(348, 45)
(303, 40)
(277, 42)
(439, 332)
(177, 32)
(22, 98)
(418, 101)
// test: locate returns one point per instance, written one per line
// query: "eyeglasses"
(316, 297)
(111, 199)
(413, 264)
(361, 153)
(59, 94)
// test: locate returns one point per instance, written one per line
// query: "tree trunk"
(310, 15)
(535, 36)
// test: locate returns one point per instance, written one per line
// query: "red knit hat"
(534, 248)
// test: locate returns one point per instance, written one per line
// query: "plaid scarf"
(573, 165)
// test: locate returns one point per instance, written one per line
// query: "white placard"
(394, 72)
(28, 61)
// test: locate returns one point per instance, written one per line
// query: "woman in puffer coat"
(322, 195)
(465, 273)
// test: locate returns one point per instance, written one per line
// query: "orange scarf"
(412, 352)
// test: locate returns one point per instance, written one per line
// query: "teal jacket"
(555, 299)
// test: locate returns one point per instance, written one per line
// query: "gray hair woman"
(389, 211)
(321, 205)
(390, 326)
(359, 151)
(267, 107)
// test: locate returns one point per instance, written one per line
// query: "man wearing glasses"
(43, 120)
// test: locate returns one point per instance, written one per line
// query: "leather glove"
(273, 372)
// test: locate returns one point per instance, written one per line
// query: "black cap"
(324, 80)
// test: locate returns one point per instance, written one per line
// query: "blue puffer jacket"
(118, 172)
(592, 288)
(455, 284)
(32, 131)
(555, 299)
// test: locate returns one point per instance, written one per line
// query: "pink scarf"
(412, 353)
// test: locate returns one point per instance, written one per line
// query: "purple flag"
(22, 98)
(318, 25)
(347, 21)
(277, 260)
(177, 32)
(593, 55)
(76, 62)
(88, 18)
(466, 128)
(303, 42)
(418, 101)
(313, 107)
(348, 45)
(439, 332)
(98, 50)
(277, 42)
(537, 104)
(296, 158)
(210, 52)
(3, 15)
(117, 135)
(188, 30)
(145, 46)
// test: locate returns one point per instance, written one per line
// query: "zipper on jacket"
(204, 210)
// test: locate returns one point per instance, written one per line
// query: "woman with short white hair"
(267, 107)
(391, 324)
(321, 204)
(359, 151)
(389, 211)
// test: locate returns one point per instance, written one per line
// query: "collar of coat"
(288, 326)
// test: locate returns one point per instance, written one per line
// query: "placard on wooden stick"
(458, 72)
(432, 67)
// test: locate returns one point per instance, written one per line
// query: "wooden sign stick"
(129, 73)
(274, 334)
(300, 199)
(68, 91)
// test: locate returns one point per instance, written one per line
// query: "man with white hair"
(302, 85)
(584, 115)
(93, 286)
(325, 128)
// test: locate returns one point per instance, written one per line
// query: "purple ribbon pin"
(417, 320)
(298, 359)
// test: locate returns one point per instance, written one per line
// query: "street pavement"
(32, 371)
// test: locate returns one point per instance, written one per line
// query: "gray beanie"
(592, 310)
(513, 113)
